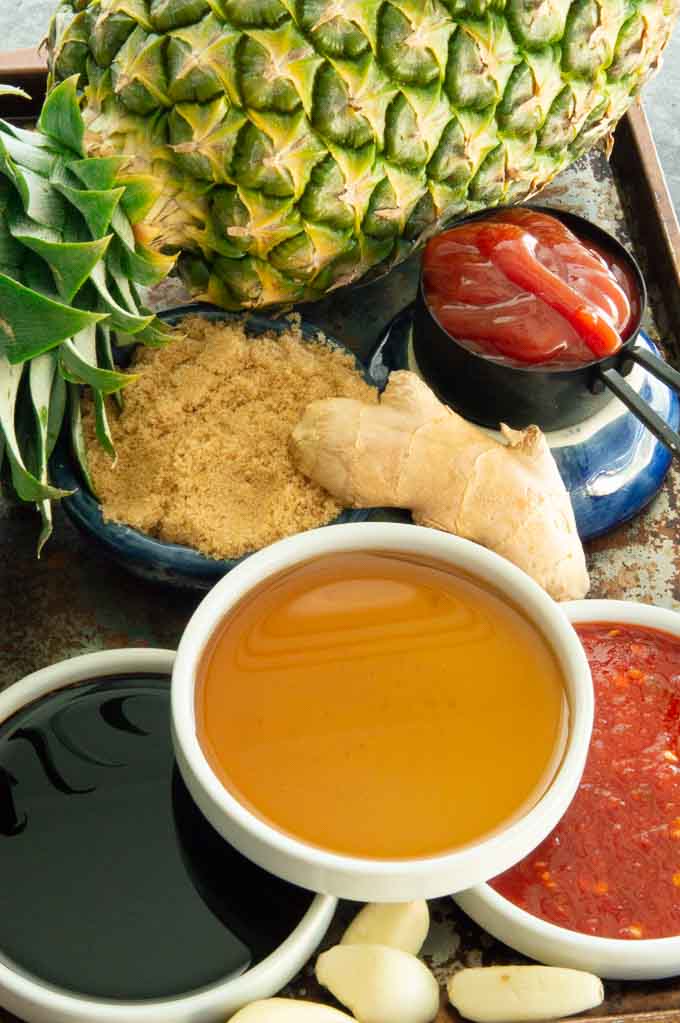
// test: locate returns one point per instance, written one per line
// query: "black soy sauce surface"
(112, 884)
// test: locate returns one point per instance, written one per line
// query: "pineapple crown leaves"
(69, 266)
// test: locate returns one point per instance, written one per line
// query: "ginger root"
(411, 451)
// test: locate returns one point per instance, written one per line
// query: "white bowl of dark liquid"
(119, 903)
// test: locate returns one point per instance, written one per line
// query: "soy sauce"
(113, 884)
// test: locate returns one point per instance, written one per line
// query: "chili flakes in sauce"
(612, 865)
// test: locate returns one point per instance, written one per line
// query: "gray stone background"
(24, 23)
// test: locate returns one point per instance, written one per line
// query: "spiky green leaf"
(96, 207)
(42, 372)
(121, 285)
(123, 229)
(31, 137)
(71, 263)
(61, 118)
(141, 192)
(27, 486)
(31, 324)
(36, 158)
(11, 253)
(105, 355)
(121, 318)
(156, 335)
(101, 425)
(37, 276)
(56, 414)
(11, 172)
(98, 174)
(13, 90)
(39, 200)
(79, 362)
(78, 444)
(145, 266)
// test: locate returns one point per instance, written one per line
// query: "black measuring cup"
(490, 392)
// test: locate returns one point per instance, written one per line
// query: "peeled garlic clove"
(289, 1010)
(379, 984)
(401, 925)
(514, 994)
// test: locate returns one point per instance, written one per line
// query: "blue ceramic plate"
(141, 554)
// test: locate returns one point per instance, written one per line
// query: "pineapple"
(69, 262)
(300, 145)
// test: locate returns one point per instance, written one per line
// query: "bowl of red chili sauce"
(602, 891)
(520, 310)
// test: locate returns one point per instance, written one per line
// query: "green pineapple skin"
(300, 145)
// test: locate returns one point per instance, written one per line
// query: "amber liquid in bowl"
(381, 706)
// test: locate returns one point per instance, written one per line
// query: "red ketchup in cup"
(520, 287)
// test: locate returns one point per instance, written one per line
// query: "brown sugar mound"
(202, 441)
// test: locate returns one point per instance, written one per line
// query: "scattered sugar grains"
(202, 442)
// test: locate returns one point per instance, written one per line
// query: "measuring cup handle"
(656, 366)
(632, 400)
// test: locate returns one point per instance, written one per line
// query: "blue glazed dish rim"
(127, 544)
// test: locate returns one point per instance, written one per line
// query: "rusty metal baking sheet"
(73, 600)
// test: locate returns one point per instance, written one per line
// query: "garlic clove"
(401, 925)
(379, 984)
(289, 1010)
(515, 994)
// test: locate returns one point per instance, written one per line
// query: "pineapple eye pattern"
(356, 128)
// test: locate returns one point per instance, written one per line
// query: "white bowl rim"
(369, 537)
(625, 952)
(25, 994)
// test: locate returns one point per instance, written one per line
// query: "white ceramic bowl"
(367, 879)
(35, 1002)
(647, 959)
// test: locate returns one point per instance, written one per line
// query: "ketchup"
(520, 286)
